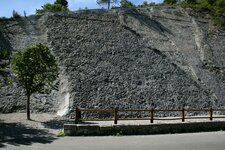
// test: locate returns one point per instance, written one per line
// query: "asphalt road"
(190, 141)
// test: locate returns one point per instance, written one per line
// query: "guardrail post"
(183, 114)
(152, 115)
(115, 115)
(78, 115)
(210, 113)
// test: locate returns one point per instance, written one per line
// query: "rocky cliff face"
(163, 57)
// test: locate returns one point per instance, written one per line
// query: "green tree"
(170, 2)
(126, 4)
(5, 54)
(35, 68)
(15, 14)
(191, 1)
(211, 2)
(62, 2)
(107, 2)
(146, 4)
(50, 8)
(219, 12)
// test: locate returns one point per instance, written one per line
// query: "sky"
(29, 6)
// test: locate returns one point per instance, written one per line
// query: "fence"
(151, 118)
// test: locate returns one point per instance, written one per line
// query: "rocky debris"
(162, 57)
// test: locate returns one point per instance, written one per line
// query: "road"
(190, 141)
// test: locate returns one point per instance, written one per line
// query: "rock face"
(163, 57)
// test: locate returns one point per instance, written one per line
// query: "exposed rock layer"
(166, 57)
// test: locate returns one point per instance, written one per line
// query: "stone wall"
(95, 130)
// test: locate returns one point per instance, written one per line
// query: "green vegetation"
(126, 4)
(215, 7)
(59, 5)
(35, 68)
(170, 2)
(61, 133)
(62, 2)
(146, 4)
(5, 54)
(15, 14)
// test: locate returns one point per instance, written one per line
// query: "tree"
(35, 68)
(62, 2)
(211, 2)
(170, 2)
(50, 8)
(15, 14)
(108, 2)
(191, 1)
(126, 4)
(5, 54)
(146, 4)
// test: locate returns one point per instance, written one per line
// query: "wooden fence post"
(78, 115)
(115, 115)
(183, 114)
(152, 115)
(210, 113)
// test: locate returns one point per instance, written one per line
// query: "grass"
(61, 133)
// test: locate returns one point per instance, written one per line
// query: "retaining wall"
(96, 130)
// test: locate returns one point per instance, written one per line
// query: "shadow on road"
(58, 124)
(17, 134)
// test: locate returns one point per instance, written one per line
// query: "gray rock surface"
(162, 57)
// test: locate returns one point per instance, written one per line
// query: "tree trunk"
(28, 107)
(108, 4)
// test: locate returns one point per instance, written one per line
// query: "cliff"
(163, 57)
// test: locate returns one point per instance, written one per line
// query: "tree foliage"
(59, 5)
(106, 2)
(15, 14)
(50, 8)
(215, 7)
(170, 2)
(35, 68)
(5, 54)
(126, 4)
(62, 2)
(146, 4)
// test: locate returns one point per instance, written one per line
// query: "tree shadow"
(58, 124)
(18, 134)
